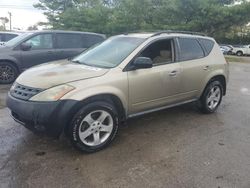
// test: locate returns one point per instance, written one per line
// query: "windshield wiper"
(75, 61)
(83, 63)
(80, 62)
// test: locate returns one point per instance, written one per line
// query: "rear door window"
(207, 44)
(67, 40)
(189, 48)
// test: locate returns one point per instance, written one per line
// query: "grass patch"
(237, 59)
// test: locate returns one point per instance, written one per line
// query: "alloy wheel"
(96, 128)
(7, 73)
(213, 98)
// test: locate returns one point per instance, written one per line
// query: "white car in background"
(225, 49)
(240, 51)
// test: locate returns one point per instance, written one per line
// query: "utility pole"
(10, 19)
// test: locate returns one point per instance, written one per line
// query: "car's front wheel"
(94, 127)
(211, 97)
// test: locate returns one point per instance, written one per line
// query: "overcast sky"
(23, 13)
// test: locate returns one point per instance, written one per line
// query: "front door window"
(44, 41)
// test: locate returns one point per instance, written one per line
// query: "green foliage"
(32, 28)
(4, 21)
(213, 17)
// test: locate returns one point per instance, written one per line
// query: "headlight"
(53, 94)
(13, 86)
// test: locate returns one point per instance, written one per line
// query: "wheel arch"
(105, 97)
(108, 97)
(12, 62)
(219, 77)
(240, 52)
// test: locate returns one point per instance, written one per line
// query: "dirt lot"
(178, 147)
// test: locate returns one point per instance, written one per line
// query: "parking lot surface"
(178, 147)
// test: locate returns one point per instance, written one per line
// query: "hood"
(59, 72)
(4, 48)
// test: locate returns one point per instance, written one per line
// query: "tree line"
(222, 19)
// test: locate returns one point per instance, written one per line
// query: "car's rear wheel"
(94, 127)
(211, 97)
(8, 73)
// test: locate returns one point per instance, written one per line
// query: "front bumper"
(48, 117)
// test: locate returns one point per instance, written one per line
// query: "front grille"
(23, 92)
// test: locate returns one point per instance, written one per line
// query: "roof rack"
(181, 32)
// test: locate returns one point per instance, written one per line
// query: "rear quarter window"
(189, 49)
(90, 40)
(207, 45)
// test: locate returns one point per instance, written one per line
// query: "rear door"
(42, 50)
(194, 66)
(68, 45)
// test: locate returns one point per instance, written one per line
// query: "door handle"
(173, 73)
(50, 52)
(206, 67)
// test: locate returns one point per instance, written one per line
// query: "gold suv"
(88, 97)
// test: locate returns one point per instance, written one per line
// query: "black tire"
(78, 121)
(8, 73)
(239, 53)
(204, 104)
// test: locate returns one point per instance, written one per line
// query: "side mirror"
(25, 46)
(142, 63)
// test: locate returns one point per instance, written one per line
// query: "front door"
(158, 86)
(41, 51)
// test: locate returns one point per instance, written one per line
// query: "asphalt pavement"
(174, 148)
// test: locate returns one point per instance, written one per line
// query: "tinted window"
(90, 40)
(189, 49)
(1, 37)
(207, 44)
(43, 41)
(9, 36)
(65, 40)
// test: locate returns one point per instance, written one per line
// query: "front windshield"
(110, 53)
(17, 39)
